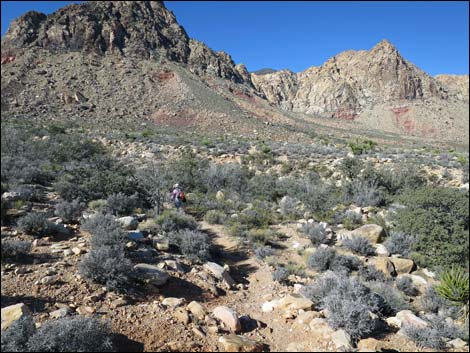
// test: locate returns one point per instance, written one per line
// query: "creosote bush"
(120, 204)
(405, 284)
(324, 259)
(36, 224)
(105, 231)
(70, 212)
(280, 274)
(215, 217)
(194, 244)
(174, 221)
(15, 249)
(359, 245)
(399, 243)
(15, 338)
(77, 334)
(109, 266)
(263, 251)
(393, 299)
(316, 233)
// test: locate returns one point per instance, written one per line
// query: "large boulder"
(13, 313)
(373, 232)
(403, 266)
(151, 274)
(384, 264)
(236, 343)
(197, 310)
(229, 317)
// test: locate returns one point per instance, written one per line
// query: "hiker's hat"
(176, 185)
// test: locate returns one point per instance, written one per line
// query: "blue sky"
(296, 35)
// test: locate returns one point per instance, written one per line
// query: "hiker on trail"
(177, 196)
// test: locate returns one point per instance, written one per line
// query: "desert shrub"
(215, 217)
(28, 193)
(255, 217)
(321, 259)
(435, 334)
(316, 233)
(15, 338)
(465, 177)
(229, 176)
(14, 249)
(351, 220)
(188, 170)
(121, 205)
(236, 229)
(454, 287)
(288, 207)
(174, 221)
(97, 205)
(193, 244)
(263, 251)
(345, 263)
(36, 224)
(347, 301)
(399, 243)
(370, 273)
(109, 266)
(363, 193)
(262, 236)
(105, 231)
(394, 299)
(359, 245)
(70, 212)
(439, 217)
(432, 302)
(280, 275)
(77, 334)
(351, 167)
(149, 226)
(405, 284)
(95, 178)
(361, 146)
(153, 182)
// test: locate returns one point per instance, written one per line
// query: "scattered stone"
(307, 316)
(199, 332)
(85, 310)
(48, 280)
(135, 235)
(381, 250)
(457, 343)
(118, 303)
(428, 273)
(236, 343)
(220, 195)
(181, 315)
(295, 302)
(407, 317)
(393, 322)
(12, 313)
(151, 274)
(373, 232)
(78, 251)
(129, 223)
(342, 339)
(173, 302)
(215, 269)
(197, 310)
(385, 265)
(369, 345)
(161, 244)
(68, 252)
(228, 317)
(269, 306)
(62, 312)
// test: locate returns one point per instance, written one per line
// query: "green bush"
(361, 147)
(15, 249)
(193, 244)
(262, 236)
(36, 224)
(171, 221)
(70, 212)
(454, 287)
(215, 217)
(439, 218)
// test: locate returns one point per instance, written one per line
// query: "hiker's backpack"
(182, 196)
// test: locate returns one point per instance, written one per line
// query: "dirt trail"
(277, 332)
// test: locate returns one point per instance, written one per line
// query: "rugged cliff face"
(132, 60)
(350, 82)
(142, 29)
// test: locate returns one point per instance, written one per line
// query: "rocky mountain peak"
(384, 46)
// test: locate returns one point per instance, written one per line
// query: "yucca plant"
(454, 287)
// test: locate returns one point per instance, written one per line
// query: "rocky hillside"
(132, 60)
